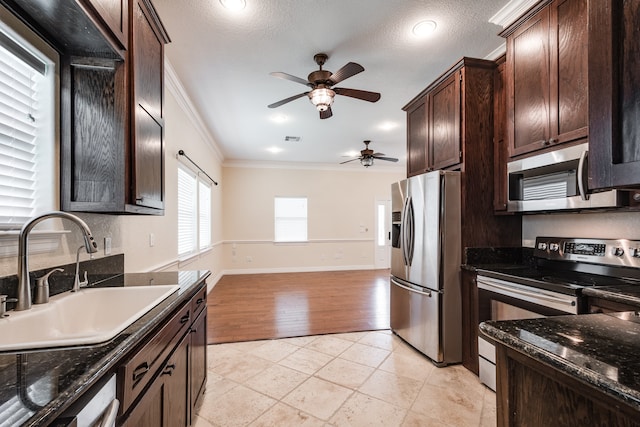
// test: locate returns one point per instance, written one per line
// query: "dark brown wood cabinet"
(530, 393)
(547, 86)
(112, 153)
(470, 321)
(417, 137)
(161, 382)
(445, 123)
(500, 147)
(114, 16)
(614, 90)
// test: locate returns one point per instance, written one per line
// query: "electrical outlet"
(107, 245)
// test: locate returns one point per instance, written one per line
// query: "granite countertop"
(36, 386)
(601, 350)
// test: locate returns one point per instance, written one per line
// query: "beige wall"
(341, 217)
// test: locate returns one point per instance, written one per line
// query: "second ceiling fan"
(321, 83)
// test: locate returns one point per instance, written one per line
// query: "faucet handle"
(3, 304)
(42, 287)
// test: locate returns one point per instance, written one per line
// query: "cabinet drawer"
(136, 373)
(199, 302)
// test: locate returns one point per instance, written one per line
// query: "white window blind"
(21, 115)
(187, 219)
(204, 209)
(290, 219)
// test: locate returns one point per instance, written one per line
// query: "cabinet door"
(500, 150)
(444, 123)
(115, 14)
(569, 70)
(175, 375)
(614, 90)
(147, 122)
(149, 410)
(417, 139)
(470, 321)
(528, 85)
(198, 359)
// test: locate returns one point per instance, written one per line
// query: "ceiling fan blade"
(284, 101)
(359, 94)
(289, 77)
(377, 154)
(388, 159)
(352, 160)
(326, 113)
(349, 70)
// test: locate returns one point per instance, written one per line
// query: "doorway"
(382, 238)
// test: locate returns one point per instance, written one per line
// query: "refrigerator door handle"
(409, 227)
(404, 243)
(425, 292)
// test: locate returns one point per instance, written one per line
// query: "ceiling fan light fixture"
(322, 98)
(366, 161)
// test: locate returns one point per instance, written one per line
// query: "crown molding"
(497, 52)
(174, 85)
(512, 11)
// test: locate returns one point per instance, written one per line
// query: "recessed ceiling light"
(279, 118)
(352, 153)
(388, 125)
(234, 5)
(274, 150)
(424, 28)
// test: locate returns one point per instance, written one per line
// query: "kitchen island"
(40, 385)
(568, 370)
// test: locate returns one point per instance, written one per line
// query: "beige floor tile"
(318, 397)
(300, 341)
(489, 416)
(408, 364)
(413, 419)
(217, 385)
(378, 339)
(238, 407)
(459, 378)
(220, 353)
(351, 336)
(201, 422)
(274, 350)
(393, 389)
(345, 373)
(365, 411)
(330, 345)
(276, 381)
(306, 361)
(448, 405)
(240, 368)
(281, 415)
(365, 355)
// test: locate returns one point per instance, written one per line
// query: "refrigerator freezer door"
(415, 316)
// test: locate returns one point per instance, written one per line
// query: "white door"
(382, 238)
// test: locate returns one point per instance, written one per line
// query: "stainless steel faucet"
(24, 284)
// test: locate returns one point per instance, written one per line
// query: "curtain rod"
(182, 153)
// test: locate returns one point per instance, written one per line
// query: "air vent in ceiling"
(292, 138)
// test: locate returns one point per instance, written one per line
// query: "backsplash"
(97, 270)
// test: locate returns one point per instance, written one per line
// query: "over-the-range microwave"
(556, 180)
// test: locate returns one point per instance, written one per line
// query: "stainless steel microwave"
(556, 180)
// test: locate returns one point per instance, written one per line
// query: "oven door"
(503, 300)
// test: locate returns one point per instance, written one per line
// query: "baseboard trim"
(298, 269)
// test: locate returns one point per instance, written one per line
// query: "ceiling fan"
(367, 156)
(321, 82)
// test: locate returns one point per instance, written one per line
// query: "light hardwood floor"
(265, 306)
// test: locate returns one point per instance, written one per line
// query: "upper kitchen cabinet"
(614, 90)
(547, 87)
(113, 124)
(115, 18)
(500, 149)
(440, 119)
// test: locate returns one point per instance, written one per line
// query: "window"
(290, 219)
(27, 161)
(194, 212)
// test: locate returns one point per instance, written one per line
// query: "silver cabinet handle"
(109, 419)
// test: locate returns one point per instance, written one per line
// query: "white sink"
(90, 316)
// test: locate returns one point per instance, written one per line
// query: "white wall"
(613, 225)
(341, 217)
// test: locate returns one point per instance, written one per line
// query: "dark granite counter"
(497, 258)
(600, 350)
(36, 386)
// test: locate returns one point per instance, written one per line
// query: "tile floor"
(355, 379)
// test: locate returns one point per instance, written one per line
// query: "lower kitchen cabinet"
(160, 383)
(470, 321)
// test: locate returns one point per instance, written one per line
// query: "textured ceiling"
(223, 60)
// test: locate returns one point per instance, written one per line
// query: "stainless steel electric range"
(553, 283)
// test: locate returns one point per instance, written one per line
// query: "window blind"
(20, 116)
(290, 219)
(204, 209)
(187, 219)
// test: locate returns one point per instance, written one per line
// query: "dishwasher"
(96, 408)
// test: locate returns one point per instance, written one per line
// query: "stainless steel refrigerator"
(425, 264)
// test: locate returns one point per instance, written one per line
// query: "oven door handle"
(535, 297)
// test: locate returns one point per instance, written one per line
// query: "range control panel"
(619, 252)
